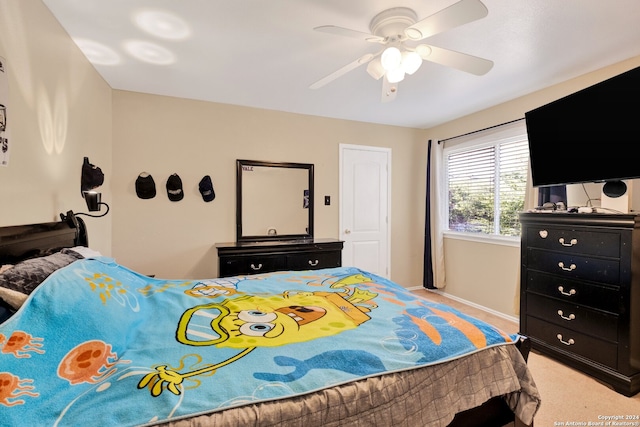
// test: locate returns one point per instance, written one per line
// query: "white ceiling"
(265, 53)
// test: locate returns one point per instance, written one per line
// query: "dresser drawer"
(566, 339)
(598, 243)
(595, 323)
(575, 266)
(237, 265)
(241, 258)
(574, 291)
(314, 260)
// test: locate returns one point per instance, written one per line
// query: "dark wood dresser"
(239, 258)
(580, 293)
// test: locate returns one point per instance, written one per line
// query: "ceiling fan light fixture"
(375, 69)
(396, 26)
(396, 75)
(411, 61)
(391, 58)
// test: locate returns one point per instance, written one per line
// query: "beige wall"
(163, 135)
(488, 274)
(59, 112)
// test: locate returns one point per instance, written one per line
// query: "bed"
(93, 342)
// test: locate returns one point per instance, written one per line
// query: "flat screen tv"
(589, 136)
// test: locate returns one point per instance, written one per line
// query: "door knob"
(347, 231)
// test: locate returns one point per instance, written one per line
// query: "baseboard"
(513, 319)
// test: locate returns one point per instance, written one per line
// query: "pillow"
(26, 275)
(83, 251)
(12, 298)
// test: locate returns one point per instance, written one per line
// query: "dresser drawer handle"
(570, 342)
(313, 263)
(256, 268)
(570, 293)
(570, 268)
(573, 242)
(570, 317)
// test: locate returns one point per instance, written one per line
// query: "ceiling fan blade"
(461, 61)
(457, 14)
(389, 90)
(332, 29)
(344, 70)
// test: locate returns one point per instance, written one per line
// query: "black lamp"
(93, 200)
(92, 178)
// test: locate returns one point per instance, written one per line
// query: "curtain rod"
(480, 130)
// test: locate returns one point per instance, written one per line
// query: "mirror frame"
(240, 164)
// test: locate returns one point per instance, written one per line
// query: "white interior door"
(365, 181)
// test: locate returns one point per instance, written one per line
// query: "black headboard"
(19, 242)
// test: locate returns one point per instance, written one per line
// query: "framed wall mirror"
(274, 201)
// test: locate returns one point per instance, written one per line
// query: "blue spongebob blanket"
(99, 344)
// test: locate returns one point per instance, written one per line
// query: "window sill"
(483, 238)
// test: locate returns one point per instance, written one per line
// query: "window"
(486, 177)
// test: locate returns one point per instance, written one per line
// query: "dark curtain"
(553, 194)
(428, 258)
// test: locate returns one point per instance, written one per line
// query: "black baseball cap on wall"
(145, 186)
(174, 188)
(91, 177)
(206, 189)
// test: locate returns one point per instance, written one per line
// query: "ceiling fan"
(398, 30)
